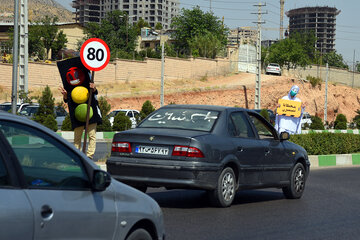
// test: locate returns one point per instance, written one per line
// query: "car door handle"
(240, 149)
(46, 212)
(267, 151)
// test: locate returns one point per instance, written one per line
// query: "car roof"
(207, 107)
(123, 110)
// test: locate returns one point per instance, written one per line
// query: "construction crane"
(282, 2)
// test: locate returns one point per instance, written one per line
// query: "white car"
(131, 113)
(306, 119)
(273, 68)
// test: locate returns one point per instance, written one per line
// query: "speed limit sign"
(95, 54)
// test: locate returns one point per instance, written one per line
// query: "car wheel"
(224, 193)
(139, 234)
(297, 182)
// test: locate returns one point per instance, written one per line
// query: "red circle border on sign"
(82, 51)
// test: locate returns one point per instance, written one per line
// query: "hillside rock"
(37, 10)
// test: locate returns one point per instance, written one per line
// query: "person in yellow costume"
(289, 124)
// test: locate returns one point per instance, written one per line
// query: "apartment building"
(320, 20)
(151, 11)
(241, 35)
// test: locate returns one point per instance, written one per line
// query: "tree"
(288, 52)
(121, 122)
(206, 45)
(58, 44)
(51, 37)
(335, 60)
(316, 123)
(146, 109)
(66, 124)
(356, 119)
(340, 122)
(265, 114)
(45, 115)
(105, 107)
(194, 22)
(158, 26)
(357, 67)
(115, 31)
(141, 24)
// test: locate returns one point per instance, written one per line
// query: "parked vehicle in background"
(306, 119)
(215, 148)
(6, 106)
(134, 115)
(30, 110)
(271, 115)
(273, 68)
(53, 191)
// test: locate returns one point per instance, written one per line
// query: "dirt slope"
(229, 91)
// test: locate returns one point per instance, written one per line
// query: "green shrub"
(45, 115)
(146, 109)
(314, 81)
(265, 114)
(340, 122)
(328, 143)
(105, 126)
(66, 124)
(121, 122)
(356, 119)
(316, 123)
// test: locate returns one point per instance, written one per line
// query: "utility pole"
(258, 57)
(326, 92)
(24, 47)
(15, 58)
(282, 2)
(162, 74)
(353, 79)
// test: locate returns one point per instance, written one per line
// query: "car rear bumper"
(273, 71)
(164, 173)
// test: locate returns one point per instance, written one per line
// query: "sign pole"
(88, 112)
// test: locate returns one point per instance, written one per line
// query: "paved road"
(329, 209)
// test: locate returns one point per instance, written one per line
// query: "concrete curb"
(353, 131)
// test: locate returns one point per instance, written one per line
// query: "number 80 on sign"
(95, 54)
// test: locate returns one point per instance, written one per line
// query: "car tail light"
(187, 152)
(124, 147)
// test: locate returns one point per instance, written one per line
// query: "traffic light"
(76, 81)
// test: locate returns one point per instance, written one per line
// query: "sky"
(239, 13)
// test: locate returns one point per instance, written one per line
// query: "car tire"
(225, 191)
(139, 234)
(297, 182)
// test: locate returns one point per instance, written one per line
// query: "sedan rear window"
(189, 119)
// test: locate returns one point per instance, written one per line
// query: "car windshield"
(113, 113)
(274, 65)
(5, 107)
(182, 118)
(29, 110)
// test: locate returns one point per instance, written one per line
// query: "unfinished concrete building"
(151, 11)
(86, 11)
(320, 20)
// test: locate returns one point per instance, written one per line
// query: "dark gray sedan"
(50, 190)
(215, 148)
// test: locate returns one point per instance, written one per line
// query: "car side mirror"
(101, 180)
(284, 136)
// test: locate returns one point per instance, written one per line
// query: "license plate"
(152, 150)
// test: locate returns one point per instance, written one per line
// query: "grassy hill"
(37, 9)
